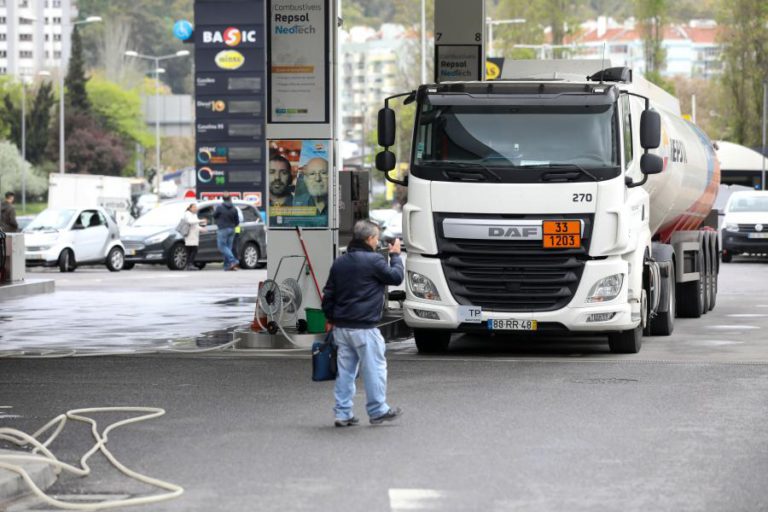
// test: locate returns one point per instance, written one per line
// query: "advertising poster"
(298, 61)
(298, 183)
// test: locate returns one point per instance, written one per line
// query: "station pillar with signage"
(230, 99)
(459, 40)
(301, 146)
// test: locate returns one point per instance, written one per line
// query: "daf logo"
(513, 232)
(759, 228)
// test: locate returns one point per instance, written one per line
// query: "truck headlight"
(422, 286)
(606, 289)
(733, 228)
(156, 239)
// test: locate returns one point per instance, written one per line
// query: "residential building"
(691, 49)
(35, 35)
(371, 70)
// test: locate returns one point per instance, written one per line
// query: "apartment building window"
(25, 21)
(57, 37)
(3, 36)
(3, 20)
(3, 71)
(57, 21)
(57, 54)
(3, 54)
(25, 54)
(23, 3)
(56, 3)
(25, 37)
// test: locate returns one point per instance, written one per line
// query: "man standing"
(227, 220)
(8, 222)
(280, 181)
(353, 301)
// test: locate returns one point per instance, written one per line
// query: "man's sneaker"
(390, 415)
(351, 422)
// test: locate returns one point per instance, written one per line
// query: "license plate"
(757, 235)
(561, 234)
(496, 324)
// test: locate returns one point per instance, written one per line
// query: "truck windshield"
(506, 139)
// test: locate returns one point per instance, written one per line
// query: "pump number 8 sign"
(562, 234)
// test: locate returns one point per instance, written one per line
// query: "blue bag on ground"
(324, 364)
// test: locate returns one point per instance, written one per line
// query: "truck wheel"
(626, 342)
(431, 342)
(177, 258)
(115, 259)
(67, 261)
(713, 274)
(706, 279)
(664, 323)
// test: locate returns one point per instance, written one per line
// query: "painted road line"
(415, 499)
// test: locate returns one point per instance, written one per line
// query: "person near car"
(353, 302)
(8, 222)
(227, 219)
(192, 240)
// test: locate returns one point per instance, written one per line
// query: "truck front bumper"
(579, 315)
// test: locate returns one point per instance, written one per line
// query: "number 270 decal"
(582, 198)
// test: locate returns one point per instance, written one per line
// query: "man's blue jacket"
(353, 297)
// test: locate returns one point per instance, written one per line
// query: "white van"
(745, 226)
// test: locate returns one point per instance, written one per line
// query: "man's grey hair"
(364, 229)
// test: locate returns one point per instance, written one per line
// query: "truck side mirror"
(651, 164)
(650, 129)
(386, 127)
(385, 160)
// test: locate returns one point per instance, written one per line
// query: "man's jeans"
(224, 239)
(366, 347)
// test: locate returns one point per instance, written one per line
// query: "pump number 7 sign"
(562, 234)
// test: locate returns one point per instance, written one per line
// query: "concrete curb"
(12, 485)
(26, 288)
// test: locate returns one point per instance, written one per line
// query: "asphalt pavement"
(496, 424)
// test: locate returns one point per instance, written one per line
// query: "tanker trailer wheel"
(714, 271)
(630, 341)
(431, 342)
(664, 323)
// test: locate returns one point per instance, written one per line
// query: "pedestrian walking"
(192, 238)
(8, 222)
(227, 219)
(353, 301)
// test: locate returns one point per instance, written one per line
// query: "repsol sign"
(231, 36)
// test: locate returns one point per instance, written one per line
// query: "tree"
(38, 118)
(90, 148)
(13, 167)
(75, 81)
(652, 17)
(120, 111)
(745, 55)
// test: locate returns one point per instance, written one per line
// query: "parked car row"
(71, 237)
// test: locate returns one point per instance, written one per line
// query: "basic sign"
(562, 234)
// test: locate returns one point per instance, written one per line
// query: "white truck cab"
(530, 208)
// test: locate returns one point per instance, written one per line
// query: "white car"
(745, 227)
(69, 237)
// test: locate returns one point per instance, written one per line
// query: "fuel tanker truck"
(564, 198)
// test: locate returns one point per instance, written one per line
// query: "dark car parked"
(153, 237)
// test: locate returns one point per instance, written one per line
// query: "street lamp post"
(62, 150)
(156, 59)
(765, 108)
(490, 22)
